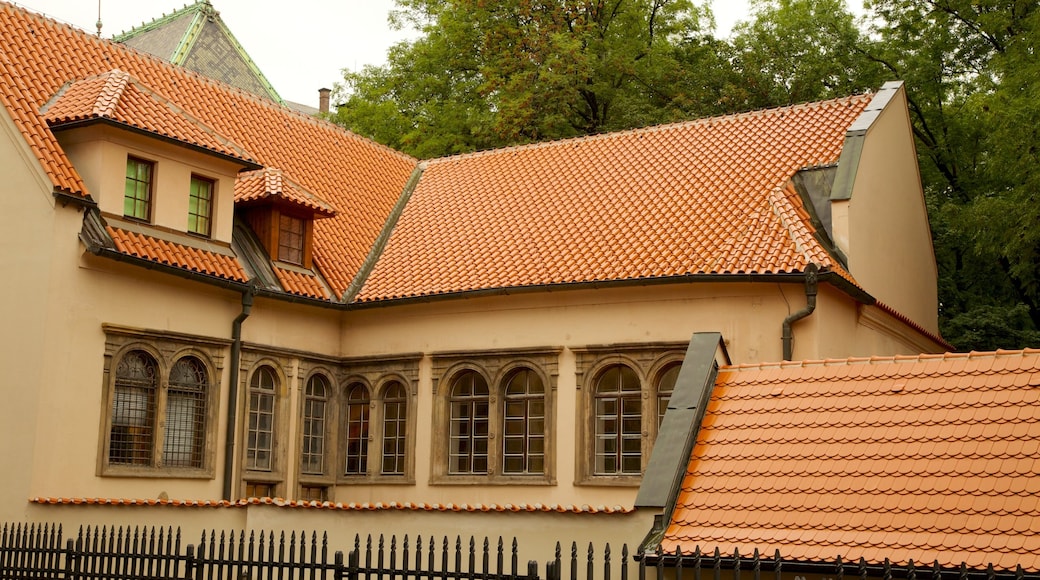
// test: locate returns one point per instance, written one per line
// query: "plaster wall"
(889, 241)
(27, 231)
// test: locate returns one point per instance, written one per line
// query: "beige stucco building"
(211, 297)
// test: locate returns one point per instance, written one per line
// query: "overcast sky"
(300, 45)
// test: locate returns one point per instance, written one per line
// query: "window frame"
(284, 245)
(167, 349)
(649, 361)
(275, 476)
(496, 367)
(149, 189)
(210, 204)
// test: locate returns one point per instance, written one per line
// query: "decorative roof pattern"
(270, 182)
(178, 255)
(358, 177)
(301, 284)
(930, 458)
(351, 506)
(117, 97)
(702, 197)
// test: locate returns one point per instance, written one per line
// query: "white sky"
(300, 45)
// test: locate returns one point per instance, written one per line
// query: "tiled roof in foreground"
(930, 458)
(177, 255)
(362, 180)
(701, 197)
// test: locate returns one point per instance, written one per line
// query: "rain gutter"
(811, 288)
(236, 357)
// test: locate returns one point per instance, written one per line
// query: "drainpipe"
(811, 280)
(236, 356)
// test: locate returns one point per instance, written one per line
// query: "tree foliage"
(487, 74)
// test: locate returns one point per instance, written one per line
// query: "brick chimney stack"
(323, 100)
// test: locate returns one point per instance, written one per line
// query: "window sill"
(155, 472)
(610, 481)
(497, 480)
(375, 480)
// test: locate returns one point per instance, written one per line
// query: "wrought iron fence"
(34, 551)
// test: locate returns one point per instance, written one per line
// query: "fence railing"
(36, 551)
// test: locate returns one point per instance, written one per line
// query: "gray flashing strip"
(848, 163)
(678, 433)
(384, 236)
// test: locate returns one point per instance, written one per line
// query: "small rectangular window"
(314, 493)
(137, 195)
(200, 205)
(290, 239)
(258, 489)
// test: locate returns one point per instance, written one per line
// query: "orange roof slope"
(117, 97)
(930, 458)
(178, 255)
(700, 197)
(358, 177)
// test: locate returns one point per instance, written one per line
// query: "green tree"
(487, 74)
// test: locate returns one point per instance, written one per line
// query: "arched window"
(618, 422)
(260, 445)
(468, 444)
(523, 429)
(315, 404)
(395, 423)
(133, 410)
(358, 403)
(184, 436)
(665, 386)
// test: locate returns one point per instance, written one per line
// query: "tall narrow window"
(357, 429)
(395, 422)
(200, 205)
(260, 444)
(468, 451)
(133, 410)
(665, 386)
(314, 406)
(184, 441)
(523, 433)
(618, 422)
(290, 239)
(137, 195)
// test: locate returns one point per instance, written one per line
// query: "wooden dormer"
(281, 214)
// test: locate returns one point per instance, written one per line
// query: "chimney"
(323, 100)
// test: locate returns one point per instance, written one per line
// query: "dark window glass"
(618, 422)
(395, 423)
(133, 410)
(358, 404)
(315, 403)
(468, 435)
(665, 386)
(290, 239)
(184, 442)
(260, 444)
(523, 429)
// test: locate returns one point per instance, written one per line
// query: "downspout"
(236, 356)
(811, 283)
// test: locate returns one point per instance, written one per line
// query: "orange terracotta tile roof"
(373, 506)
(930, 458)
(268, 183)
(178, 255)
(701, 197)
(116, 96)
(358, 177)
(301, 284)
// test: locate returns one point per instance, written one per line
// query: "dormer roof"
(117, 98)
(270, 185)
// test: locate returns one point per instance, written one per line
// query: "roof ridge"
(198, 6)
(648, 129)
(899, 358)
(112, 93)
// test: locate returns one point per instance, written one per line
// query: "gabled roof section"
(932, 458)
(361, 179)
(118, 98)
(703, 197)
(196, 38)
(271, 184)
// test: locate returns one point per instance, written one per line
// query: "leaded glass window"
(260, 444)
(358, 404)
(184, 437)
(315, 405)
(133, 410)
(468, 442)
(523, 433)
(395, 424)
(618, 422)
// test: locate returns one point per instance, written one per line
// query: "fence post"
(337, 571)
(189, 561)
(532, 570)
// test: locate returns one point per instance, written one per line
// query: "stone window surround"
(166, 348)
(286, 378)
(495, 366)
(649, 361)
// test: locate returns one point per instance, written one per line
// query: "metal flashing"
(848, 162)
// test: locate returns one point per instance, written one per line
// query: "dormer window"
(200, 205)
(137, 196)
(291, 238)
